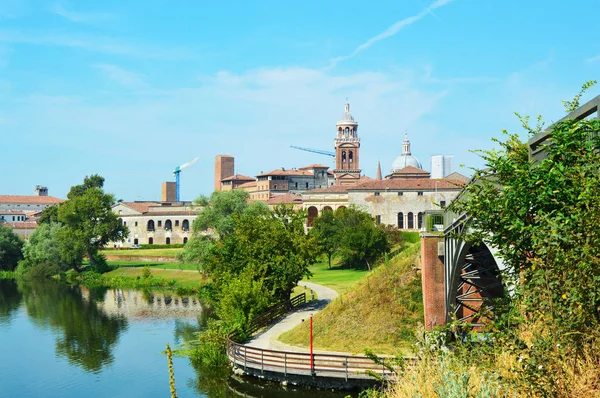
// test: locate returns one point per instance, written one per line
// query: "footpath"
(267, 339)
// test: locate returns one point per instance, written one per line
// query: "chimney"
(41, 191)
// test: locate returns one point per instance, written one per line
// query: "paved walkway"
(267, 339)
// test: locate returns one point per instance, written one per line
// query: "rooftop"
(409, 184)
(29, 199)
(284, 172)
(314, 166)
(238, 177)
(331, 189)
(288, 198)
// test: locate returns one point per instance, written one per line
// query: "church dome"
(406, 159)
(403, 161)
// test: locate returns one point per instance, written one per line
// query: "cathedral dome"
(403, 161)
(406, 159)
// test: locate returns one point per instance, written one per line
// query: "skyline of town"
(131, 92)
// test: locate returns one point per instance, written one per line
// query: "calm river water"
(62, 341)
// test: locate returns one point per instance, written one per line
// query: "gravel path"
(267, 339)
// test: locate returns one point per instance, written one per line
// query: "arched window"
(185, 240)
(168, 241)
(327, 208)
(340, 131)
(185, 225)
(168, 225)
(347, 131)
(312, 214)
(150, 241)
(350, 157)
(419, 220)
(343, 156)
(400, 220)
(411, 221)
(150, 225)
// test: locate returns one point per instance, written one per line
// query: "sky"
(130, 89)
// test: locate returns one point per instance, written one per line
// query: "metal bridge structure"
(473, 273)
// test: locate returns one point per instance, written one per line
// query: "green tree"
(44, 254)
(542, 218)
(49, 215)
(326, 233)
(10, 249)
(215, 221)
(361, 240)
(88, 221)
(268, 246)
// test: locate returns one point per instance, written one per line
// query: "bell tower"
(347, 146)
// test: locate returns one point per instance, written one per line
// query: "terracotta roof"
(411, 170)
(288, 198)
(457, 176)
(365, 179)
(142, 207)
(247, 184)
(30, 199)
(238, 177)
(314, 166)
(283, 172)
(165, 213)
(408, 184)
(14, 212)
(331, 189)
(21, 225)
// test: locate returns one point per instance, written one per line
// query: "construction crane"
(176, 174)
(319, 151)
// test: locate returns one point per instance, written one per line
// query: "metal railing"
(298, 363)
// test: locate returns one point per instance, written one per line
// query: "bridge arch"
(473, 275)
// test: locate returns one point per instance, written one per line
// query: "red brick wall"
(432, 273)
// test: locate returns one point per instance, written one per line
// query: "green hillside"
(381, 312)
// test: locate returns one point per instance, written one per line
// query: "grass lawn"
(152, 265)
(382, 311)
(143, 252)
(185, 278)
(336, 278)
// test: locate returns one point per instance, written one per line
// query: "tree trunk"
(90, 254)
(329, 258)
(368, 265)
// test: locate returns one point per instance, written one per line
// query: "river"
(70, 341)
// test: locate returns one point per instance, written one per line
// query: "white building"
(161, 223)
(441, 166)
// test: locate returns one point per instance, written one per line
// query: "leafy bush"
(10, 249)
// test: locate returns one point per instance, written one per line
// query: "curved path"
(267, 339)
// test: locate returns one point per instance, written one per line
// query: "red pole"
(311, 346)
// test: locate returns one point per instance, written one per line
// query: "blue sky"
(131, 89)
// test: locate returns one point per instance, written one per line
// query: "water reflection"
(87, 335)
(10, 299)
(139, 305)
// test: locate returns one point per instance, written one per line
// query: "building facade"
(160, 223)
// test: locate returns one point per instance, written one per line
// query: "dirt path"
(267, 339)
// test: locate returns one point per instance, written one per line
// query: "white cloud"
(255, 115)
(93, 43)
(391, 31)
(593, 59)
(80, 17)
(121, 76)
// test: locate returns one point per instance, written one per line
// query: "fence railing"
(299, 363)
